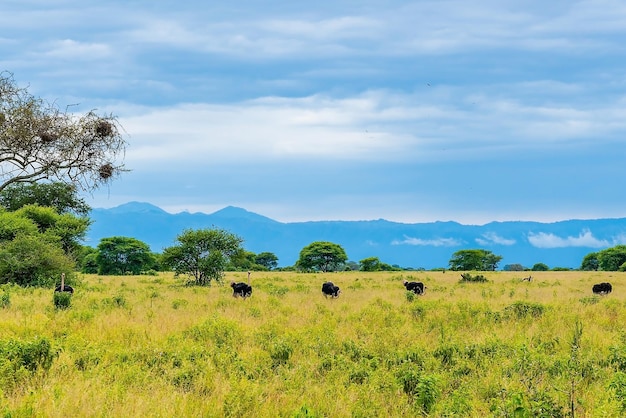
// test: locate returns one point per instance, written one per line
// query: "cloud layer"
(410, 111)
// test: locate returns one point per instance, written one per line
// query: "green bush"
(280, 352)
(422, 390)
(21, 360)
(30, 260)
(521, 309)
(62, 300)
(118, 301)
(467, 277)
(5, 300)
(618, 388)
(304, 412)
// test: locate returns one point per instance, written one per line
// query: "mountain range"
(409, 245)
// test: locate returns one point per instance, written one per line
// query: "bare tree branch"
(38, 142)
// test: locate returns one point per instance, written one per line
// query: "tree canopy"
(612, 259)
(370, 264)
(540, 267)
(62, 197)
(39, 141)
(478, 259)
(202, 254)
(590, 262)
(37, 245)
(322, 256)
(121, 255)
(267, 260)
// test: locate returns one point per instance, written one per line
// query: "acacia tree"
(202, 254)
(370, 264)
(321, 255)
(118, 255)
(267, 260)
(479, 260)
(38, 141)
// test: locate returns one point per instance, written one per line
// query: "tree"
(68, 228)
(540, 267)
(590, 262)
(87, 260)
(201, 254)
(352, 266)
(120, 255)
(13, 224)
(267, 260)
(370, 264)
(60, 196)
(32, 254)
(612, 259)
(321, 255)
(243, 260)
(513, 267)
(38, 141)
(479, 260)
(32, 260)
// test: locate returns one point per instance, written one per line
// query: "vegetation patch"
(21, 360)
(520, 309)
(469, 278)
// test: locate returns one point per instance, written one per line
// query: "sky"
(410, 111)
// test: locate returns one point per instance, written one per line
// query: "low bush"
(5, 300)
(478, 278)
(62, 300)
(20, 360)
(521, 309)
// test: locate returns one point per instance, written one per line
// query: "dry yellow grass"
(138, 346)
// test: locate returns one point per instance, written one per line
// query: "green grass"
(138, 346)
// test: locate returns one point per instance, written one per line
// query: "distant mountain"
(419, 245)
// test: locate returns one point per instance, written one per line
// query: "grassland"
(147, 346)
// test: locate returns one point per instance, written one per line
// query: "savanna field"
(149, 346)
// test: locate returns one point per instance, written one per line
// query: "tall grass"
(150, 346)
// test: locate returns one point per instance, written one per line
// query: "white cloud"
(72, 49)
(549, 240)
(313, 127)
(437, 242)
(491, 238)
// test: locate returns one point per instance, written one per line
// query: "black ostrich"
(242, 289)
(64, 287)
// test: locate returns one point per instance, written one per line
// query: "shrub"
(5, 300)
(62, 300)
(280, 352)
(179, 303)
(524, 309)
(275, 290)
(618, 388)
(29, 260)
(117, 301)
(467, 277)
(20, 360)
(590, 300)
(422, 390)
(617, 357)
(304, 412)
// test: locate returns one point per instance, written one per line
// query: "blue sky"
(411, 111)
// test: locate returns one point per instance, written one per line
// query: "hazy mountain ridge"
(427, 245)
